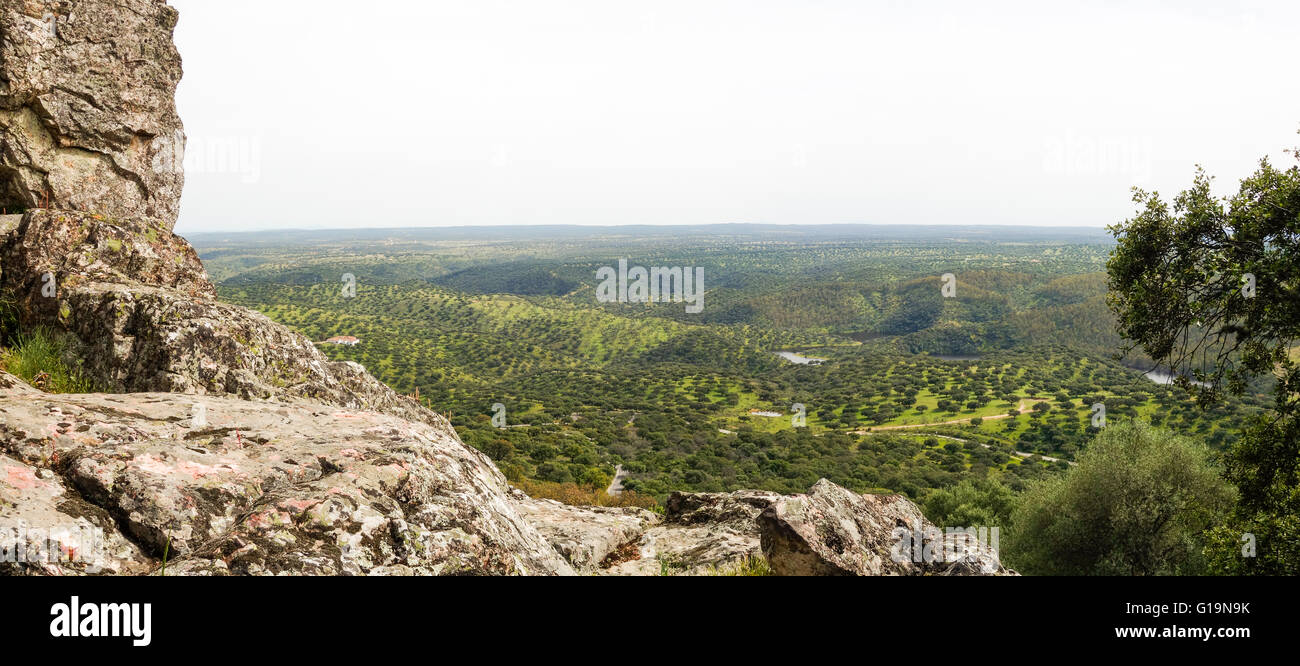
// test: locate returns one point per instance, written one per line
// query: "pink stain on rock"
(299, 504)
(22, 478)
(268, 518)
(193, 470)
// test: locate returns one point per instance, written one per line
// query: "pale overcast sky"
(427, 113)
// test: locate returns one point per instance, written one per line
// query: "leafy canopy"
(1211, 287)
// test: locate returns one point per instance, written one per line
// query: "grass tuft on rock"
(40, 358)
(747, 566)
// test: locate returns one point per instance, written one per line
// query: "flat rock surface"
(701, 533)
(47, 529)
(585, 535)
(231, 486)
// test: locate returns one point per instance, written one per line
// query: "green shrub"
(971, 503)
(1139, 502)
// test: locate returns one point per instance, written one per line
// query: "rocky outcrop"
(832, 531)
(78, 248)
(46, 530)
(144, 317)
(701, 533)
(828, 531)
(13, 387)
(229, 486)
(87, 113)
(585, 535)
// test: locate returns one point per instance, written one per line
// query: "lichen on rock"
(831, 531)
(87, 108)
(256, 488)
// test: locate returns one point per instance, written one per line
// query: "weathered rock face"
(736, 509)
(87, 113)
(829, 531)
(79, 248)
(46, 530)
(834, 532)
(701, 534)
(135, 298)
(584, 535)
(229, 486)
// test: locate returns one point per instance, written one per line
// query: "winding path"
(1020, 408)
(616, 486)
(1021, 454)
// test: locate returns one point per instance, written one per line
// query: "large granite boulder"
(228, 486)
(588, 537)
(828, 531)
(701, 534)
(87, 113)
(831, 531)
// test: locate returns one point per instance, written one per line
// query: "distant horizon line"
(792, 225)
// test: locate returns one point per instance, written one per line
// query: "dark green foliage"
(1210, 286)
(1137, 503)
(971, 503)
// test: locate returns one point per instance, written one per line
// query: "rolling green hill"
(701, 401)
